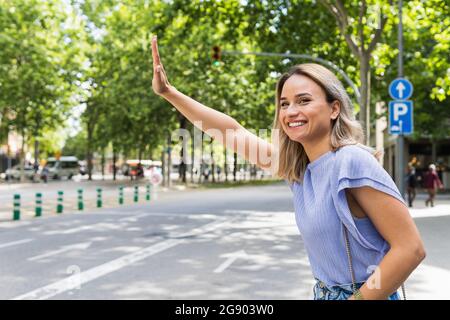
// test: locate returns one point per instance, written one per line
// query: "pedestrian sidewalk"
(441, 206)
(109, 196)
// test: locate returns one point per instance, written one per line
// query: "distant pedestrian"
(206, 173)
(139, 171)
(411, 184)
(432, 183)
(45, 173)
(36, 172)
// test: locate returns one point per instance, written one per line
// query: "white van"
(63, 167)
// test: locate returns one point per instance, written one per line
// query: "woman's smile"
(297, 125)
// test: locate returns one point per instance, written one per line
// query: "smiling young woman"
(360, 238)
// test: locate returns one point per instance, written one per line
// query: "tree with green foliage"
(39, 66)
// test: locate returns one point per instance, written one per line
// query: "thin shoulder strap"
(350, 263)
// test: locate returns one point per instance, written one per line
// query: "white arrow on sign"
(233, 256)
(400, 88)
(77, 246)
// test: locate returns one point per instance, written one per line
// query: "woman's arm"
(218, 125)
(439, 183)
(392, 220)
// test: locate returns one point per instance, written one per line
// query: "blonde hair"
(292, 158)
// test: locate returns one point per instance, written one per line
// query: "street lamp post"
(307, 57)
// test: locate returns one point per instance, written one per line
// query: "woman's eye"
(300, 102)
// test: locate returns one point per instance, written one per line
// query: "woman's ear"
(335, 109)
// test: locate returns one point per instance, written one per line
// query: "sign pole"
(400, 138)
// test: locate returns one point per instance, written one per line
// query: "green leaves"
(36, 89)
(56, 55)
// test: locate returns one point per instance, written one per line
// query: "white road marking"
(97, 226)
(113, 226)
(74, 281)
(77, 246)
(262, 213)
(232, 257)
(9, 244)
(133, 218)
(14, 224)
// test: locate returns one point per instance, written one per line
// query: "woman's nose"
(291, 111)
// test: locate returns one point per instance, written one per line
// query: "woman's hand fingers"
(159, 82)
(155, 53)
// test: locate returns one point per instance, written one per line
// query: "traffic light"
(216, 56)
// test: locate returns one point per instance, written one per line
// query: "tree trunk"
(163, 167)
(22, 159)
(114, 160)
(225, 165)
(183, 152)
(434, 150)
(360, 48)
(245, 170)
(36, 151)
(364, 114)
(235, 167)
(193, 159)
(103, 164)
(89, 150)
(169, 160)
(202, 162)
(213, 163)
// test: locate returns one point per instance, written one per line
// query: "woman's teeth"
(297, 124)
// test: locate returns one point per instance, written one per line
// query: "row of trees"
(39, 70)
(58, 57)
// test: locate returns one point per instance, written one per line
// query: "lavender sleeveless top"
(321, 207)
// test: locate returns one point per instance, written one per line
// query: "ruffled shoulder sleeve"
(356, 167)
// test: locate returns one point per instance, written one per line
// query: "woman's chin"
(297, 138)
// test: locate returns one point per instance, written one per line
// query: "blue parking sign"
(400, 117)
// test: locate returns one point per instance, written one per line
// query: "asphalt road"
(237, 243)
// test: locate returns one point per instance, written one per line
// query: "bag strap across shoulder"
(350, 264)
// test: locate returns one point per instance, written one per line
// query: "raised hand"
(160, 84)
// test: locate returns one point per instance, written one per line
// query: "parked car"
(62, 167)
(14, 172)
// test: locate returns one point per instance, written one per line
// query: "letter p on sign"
(400, 109)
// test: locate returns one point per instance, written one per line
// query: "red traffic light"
(216, 55)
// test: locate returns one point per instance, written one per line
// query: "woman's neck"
(315, 150)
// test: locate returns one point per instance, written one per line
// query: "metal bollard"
(80, 199)
(38, 211)
(99, 198)
(59, 206)
(120, 195)
(147, 196)
(16, 210)
(136, 193)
